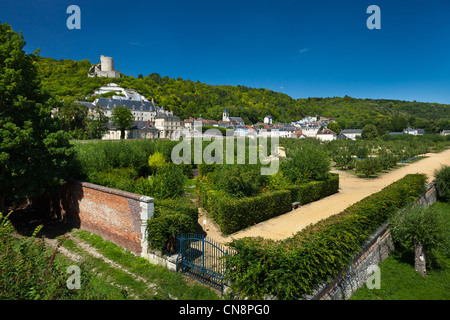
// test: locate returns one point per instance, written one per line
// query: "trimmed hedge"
(291, 268)
(236, 214)
(314, 190)
(170, 218)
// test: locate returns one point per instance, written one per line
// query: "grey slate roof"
(136, 125)
(130, 104)
(347, 131)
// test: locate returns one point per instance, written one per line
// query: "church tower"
(225, 115)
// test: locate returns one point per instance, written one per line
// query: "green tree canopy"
(123, 118)
(369, 132)
(34, 155)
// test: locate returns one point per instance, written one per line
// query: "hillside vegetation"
(68, 79)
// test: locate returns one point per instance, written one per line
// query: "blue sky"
(318, 48)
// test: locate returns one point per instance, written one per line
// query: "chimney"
(153, 101)
(148, 123)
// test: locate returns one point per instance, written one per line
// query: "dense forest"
(67, 79)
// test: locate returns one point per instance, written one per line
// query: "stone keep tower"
(104, 69)
(107, 63)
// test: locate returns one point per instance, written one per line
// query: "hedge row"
(170, 218)
(315, 190)
(236, 214)
(291, 268)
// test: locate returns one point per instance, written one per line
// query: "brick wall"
(115, 215)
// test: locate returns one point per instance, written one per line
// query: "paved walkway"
(352, 189)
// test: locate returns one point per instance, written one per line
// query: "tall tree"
(123, 118)
(34, 155)
(97, 123)
(369, 132)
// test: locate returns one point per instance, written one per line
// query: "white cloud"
(304, 50)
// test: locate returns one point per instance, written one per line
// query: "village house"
(150, 121)
(350, 134)
(414, 132)
(139, 130)
(326, 135)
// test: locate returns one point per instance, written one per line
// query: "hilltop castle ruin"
(104, 69)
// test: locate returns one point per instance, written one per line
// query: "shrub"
(293, 267)
(443, 183)
(240, 180)
(368, 166)
(306, 164)
(171, 217)
(29, 271)
(155, 162)
(168, 182)
(119, 178)
(236, 214)
(421, 226)
(314, 190)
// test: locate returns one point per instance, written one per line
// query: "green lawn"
(399, 280)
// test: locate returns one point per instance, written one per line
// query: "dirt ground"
(352, 189)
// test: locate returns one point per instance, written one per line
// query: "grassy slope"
(399, 280)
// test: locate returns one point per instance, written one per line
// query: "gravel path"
(352, 189)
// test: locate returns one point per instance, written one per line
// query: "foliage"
(67, 79)
(123, 119)
(239, 180)
(369, 132)
(443, 183)
(34, 154)
(368, 166)
(314, 190)
(28, 271)
(234, 214)
(171, 217)
(426, 226)
(306, 163)
(291, 268)
(97, 124)
(156, 161)
(116, 178)
(168, 182)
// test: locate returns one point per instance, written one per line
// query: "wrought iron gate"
(202, 259)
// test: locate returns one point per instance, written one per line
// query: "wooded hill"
(67, 79)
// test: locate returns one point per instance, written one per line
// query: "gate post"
(147, 209)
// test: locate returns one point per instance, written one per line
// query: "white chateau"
(150, 121)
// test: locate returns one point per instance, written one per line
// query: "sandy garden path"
(352, 189)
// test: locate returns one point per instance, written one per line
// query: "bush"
(306, 164)
(314, 190)
(240, 180)
(29, 271)
(155, 162)
(119, 178)
(443, 183)
(170, 218)
(368, 166)
(291, 268)
(425, 226)
(168, 182)
(236, 214)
